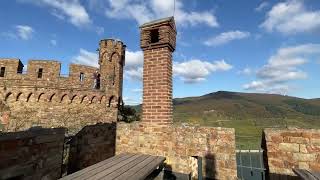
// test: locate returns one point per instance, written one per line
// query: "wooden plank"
(102, 167)
(105, 171)
(316, 174)
(126, 167)
(90, 168)
(144, 172)
(95, 166)
(135, 169)
(304, 174)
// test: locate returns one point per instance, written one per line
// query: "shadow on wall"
(32, 154)
(265, 155)
(94, 143)
(272, 176)
(167, 174)
(210, 166)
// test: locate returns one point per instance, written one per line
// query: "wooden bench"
(307, 175)
(120, 167)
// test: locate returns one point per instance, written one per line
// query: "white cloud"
(283, 67)
(135, 74)
(130, 101)
(134, 59)
(73, 10)
(262, 6)
(144, 11)
(191, 71)
(196, 70)
(86, 58)
(291, 17)
(134, 63)
(137, 90)
(226, 37)
(246, 71)
(53, 42)
(99, 30)
(24, 32)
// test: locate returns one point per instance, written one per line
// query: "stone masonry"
(156, 135)
(179, 144)
(42, 96)
(33, 154)
(291, 148)
(94, 143)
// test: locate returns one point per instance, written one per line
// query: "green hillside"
(248, 113)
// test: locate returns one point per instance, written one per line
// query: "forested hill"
(236, 105)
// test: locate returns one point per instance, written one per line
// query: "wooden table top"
(120, 167)
(306, 174)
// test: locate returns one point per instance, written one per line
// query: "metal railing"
(250, 164)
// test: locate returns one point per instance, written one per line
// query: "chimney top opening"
(154, 35)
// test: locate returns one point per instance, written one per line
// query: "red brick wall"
(157, 86)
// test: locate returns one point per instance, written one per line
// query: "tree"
(128, 114)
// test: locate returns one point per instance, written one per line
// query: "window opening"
(40, 73)
(81, 77)
(2, 71)
(154, 35)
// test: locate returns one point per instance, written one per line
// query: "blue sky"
(247, 46)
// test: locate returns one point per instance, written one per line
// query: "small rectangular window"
(154, 35)
(2, 71)
(40, 72)
(81, 77)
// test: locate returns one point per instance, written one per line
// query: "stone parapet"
(291, 148)
(32, 154)
(179, 144)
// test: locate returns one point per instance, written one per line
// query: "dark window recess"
(81, 77)
(2, 71)
(40, 72)
(20, 68)
(154, 35)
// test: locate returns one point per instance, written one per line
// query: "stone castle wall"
(178, 144)
(32, 154)
(44, 97)
(94, 143)
(26, 107)
(291, 148)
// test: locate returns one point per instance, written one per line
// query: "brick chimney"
(158, 42)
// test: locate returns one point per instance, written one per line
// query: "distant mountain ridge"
(237, 105)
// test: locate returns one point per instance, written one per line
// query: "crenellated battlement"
(45, 73)
(41, 91)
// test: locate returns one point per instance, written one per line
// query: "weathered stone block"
(289, 147)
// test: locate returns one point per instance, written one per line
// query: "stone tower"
(111, 61)
(158, 42)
